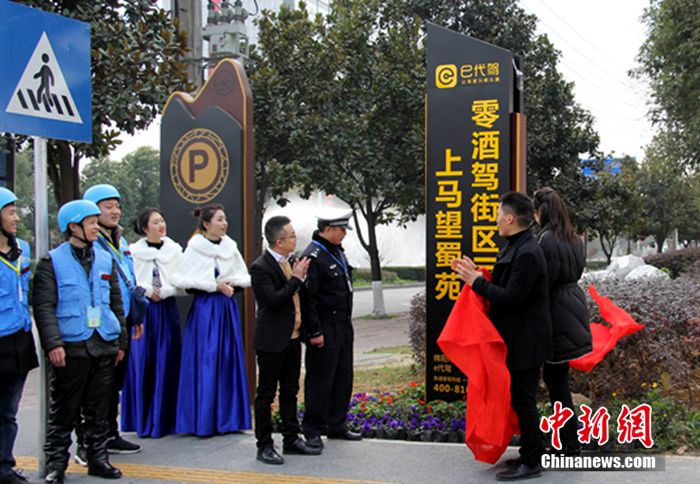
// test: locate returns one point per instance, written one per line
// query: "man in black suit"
(277, 339)
(519, 310)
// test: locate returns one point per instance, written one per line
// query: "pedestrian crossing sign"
(45, 88)
(42, 91)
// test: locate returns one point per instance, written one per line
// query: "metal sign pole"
(41, 239)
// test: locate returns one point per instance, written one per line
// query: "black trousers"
(82, 386)
(556, 377)
(523, 397)
(327, 389)
(284, 369)
(112, 399)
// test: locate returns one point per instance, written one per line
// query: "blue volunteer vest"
(75, 295)
(126, 263)
(14, 308)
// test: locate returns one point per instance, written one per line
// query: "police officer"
(80, 318)
(111, 242)
(328, 332)
(17, 351)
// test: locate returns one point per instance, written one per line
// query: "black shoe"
(119, 445)
(55, 477)
(80, 456)
(269, 455)
(300, 447)
(523, 471)
(345, 435)
(15, 477)
(514, 463)
(104, 470)
(314, 442)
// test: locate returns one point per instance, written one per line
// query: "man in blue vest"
(80, 318)
(17, 351)
(111, 242)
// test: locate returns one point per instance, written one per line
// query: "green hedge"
(684, 261)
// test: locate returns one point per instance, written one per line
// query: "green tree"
(356, 129)
(136, 51)
(559, 129)
(669, 60)
(608, 207)
(136, 176)
(664, 189)
(287, 71)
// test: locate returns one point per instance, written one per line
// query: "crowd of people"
(113, 357)
(110, 358)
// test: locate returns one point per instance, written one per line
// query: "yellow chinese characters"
(484, 203)
(448, 226)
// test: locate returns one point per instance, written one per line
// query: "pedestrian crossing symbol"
(42, 90)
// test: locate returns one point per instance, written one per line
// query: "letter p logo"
(445, 76)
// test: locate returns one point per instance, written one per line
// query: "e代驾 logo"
(446, 76)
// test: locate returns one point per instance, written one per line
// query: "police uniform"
(327, 311)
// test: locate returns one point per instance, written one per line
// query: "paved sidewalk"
(231, 458)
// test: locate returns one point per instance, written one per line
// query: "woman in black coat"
(571, 331)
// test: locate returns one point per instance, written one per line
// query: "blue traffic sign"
(45, 86)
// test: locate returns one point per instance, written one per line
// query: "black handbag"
(139, 301)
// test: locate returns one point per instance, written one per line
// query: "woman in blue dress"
(149, 395)
(213, 392)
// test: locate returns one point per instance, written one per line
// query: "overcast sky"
(599, 41)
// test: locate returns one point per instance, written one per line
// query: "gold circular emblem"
(199, 165)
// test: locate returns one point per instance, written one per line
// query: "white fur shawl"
(168, 259)
(202, 257)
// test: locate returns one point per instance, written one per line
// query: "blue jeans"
(11, 386)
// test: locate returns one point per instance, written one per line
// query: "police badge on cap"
(334, 217)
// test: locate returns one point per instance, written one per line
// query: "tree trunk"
(63, 172)
(659, 239)
(378, 307)
(610, 242)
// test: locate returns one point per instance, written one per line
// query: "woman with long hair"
(213, 392)
(150, 392)
(571, 330)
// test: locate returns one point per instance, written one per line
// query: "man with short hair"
(519, 309)
(277, 279)
(111, 242)
(79, 315)
(327, 326)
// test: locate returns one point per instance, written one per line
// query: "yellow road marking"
(185, 474)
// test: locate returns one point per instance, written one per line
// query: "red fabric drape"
(471, 342)
(605, 338)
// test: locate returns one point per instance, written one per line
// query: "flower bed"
(404, 415)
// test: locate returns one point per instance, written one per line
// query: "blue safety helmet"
(101, 192)
(75, 212)
(6, 197)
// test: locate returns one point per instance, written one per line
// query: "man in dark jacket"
(79, 314)
(327, 327)
(519, 309)
(17, 351)
(277, 339)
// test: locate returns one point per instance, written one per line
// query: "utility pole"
(189, 15)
